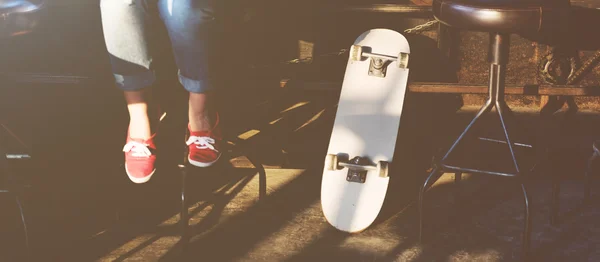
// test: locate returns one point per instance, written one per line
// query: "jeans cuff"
(135, 82)
(194, 86)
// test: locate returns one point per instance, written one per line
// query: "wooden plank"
(422, 2)
(457, 88)
(551, 90)
(453, 88)
(389, 8)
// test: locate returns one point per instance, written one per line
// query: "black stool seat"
(502, 16)
(19, 16)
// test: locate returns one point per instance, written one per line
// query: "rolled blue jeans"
(130, 33)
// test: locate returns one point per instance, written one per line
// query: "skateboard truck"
(358, 167)
(379, 63)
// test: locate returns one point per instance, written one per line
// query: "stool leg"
(184, 215)
(25, 230)
(527, 226)
(484, 110)
(500, 108)
(184, 219)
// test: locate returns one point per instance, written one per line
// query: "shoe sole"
(139, 180)
(202, 164)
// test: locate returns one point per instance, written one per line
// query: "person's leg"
(199, 111)
(192, 27)
(127, 32)
(138, 105)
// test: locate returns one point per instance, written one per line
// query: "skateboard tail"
(352, 207)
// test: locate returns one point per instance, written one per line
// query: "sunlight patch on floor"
(370, 246)
(204, 207)
(275, 121)
(297, 105)
(312, 119)
(161, 246)
(157, 245)
(483, 255)
(292, 238)
(248, 134)
(306, 49)
(99, 234)
(247, 197)
(448, 178)
(124, 249)
(410, 254)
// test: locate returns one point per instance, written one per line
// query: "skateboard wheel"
(402, 61)
(356, 53)
(331, 162)
(382, 169)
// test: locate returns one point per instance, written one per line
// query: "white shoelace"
(202, 142)
(138, 149)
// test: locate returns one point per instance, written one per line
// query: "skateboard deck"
(355, 176)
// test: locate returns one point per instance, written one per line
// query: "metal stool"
(499, 18)
(17, 17)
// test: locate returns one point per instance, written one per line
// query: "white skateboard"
(355, 176)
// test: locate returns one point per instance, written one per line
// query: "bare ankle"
(200, 122)
(139, 130)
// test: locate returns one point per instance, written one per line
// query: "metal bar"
(184, 220)
(504, 142)
(368, 54)
(507, 136)
(527, 225)
(25, 230)
(357, 167)
(14, 136)
(389, 8)
(475, 171)
(485, 109)
(18, 156)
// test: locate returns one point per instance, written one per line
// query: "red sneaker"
(204, 146)
(139, 159)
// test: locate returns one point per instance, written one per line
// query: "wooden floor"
(265, 205)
